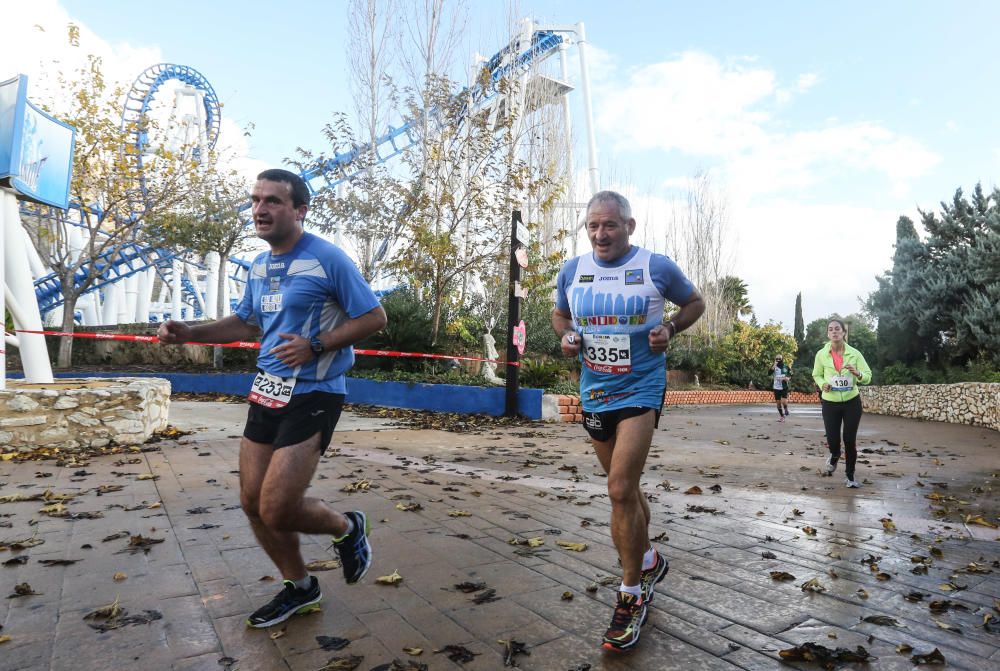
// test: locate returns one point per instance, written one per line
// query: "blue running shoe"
(354, 550)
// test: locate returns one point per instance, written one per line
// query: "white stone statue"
(489, 369)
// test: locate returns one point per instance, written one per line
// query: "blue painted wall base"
(437, 397)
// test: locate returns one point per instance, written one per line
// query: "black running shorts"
(602, 425)
(780, 394)
(303, 417)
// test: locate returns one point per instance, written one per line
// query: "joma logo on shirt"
(608, 278)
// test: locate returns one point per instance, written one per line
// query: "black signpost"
(513, 313)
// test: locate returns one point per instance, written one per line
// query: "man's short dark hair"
(300, 190)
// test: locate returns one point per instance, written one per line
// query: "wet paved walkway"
(763, 507)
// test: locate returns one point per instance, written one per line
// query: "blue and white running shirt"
(313, 288)
(614, 306)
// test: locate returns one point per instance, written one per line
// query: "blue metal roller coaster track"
(341, 168)
(135, 257)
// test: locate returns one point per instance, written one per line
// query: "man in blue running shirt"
(309, 303)
(610, 313)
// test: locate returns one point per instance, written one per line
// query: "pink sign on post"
(521, 254)
(520, 336)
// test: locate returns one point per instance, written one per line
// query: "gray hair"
(624, 209)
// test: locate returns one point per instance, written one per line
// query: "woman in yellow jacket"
(838, 370)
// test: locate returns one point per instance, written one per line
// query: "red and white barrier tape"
(244, 344)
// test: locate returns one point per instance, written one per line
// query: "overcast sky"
(820, 124)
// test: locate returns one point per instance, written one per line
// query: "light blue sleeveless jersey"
(614, 306)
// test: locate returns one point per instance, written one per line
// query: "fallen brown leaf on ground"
(140, 543)
(332, 642)
(58, 562)
(694, 491)
(488, 595)
(575, 547)
(457, 653)
(114, 537)
(23, 589)
(825, 657)
(319, 565)
(782, 576)
(947, 627)
(342, 663)
(113, 609)
(393, 579)
(511, 649)
(813, 585)
(978, 519)
(21, 543)
(443, 421)
(882, 620)
(932, 657)
(400, 665)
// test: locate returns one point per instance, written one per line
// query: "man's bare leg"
(629, 509)
(604, 449)
(272, 488)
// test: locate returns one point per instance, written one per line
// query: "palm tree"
(733, 294)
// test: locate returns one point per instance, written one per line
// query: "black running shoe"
(650, 577)
(630, 615)
(290, 601)
(354, 550)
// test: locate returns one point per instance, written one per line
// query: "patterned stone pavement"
(763, 507)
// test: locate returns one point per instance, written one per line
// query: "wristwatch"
(317, 346)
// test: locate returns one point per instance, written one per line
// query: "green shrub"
(540, 374)
(408, 329)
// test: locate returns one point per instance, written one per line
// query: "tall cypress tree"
(799, 333)
(899, 339)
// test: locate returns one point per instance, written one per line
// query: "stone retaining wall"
(976, 403)
(571, 411)
(75, 413)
